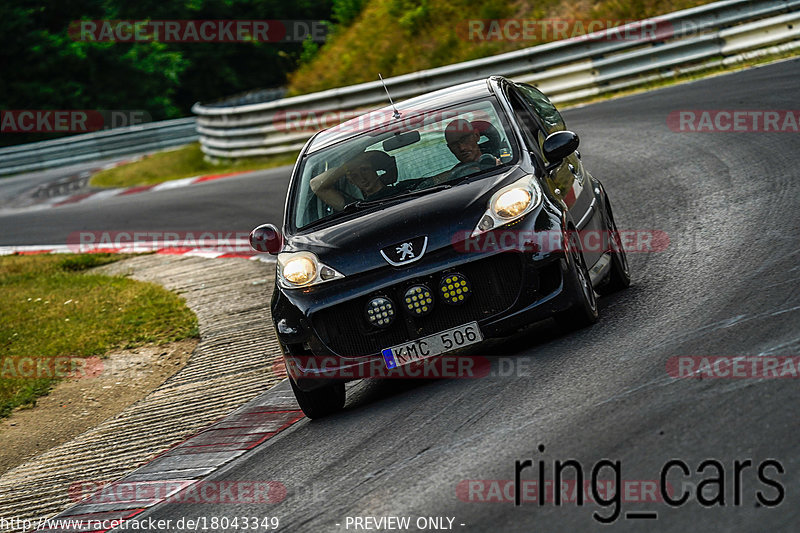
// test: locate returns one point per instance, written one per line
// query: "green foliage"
(494, 9)
(414, 14)
(78, 263)
(52, 308)
(46, 67)
(400, 36)
(344, 12)
(310, 49)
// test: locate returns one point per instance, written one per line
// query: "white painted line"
(51, 248)
(199, 252)
(50, 201)
(174, 184)
(102, 195)
(211, 248)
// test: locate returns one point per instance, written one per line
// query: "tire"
(619, 276)
(321, 402)
(584, 311)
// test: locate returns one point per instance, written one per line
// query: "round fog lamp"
(380, 312)
(455, 288)
(418, 300)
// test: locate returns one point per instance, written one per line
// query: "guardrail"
(714, 34)
(97, 145)
(567, 70)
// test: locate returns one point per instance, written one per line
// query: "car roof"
(383, 117)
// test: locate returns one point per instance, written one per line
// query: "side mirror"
(559, 145)
(266, 238)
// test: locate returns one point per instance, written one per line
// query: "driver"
(462, 141)
(359, 171)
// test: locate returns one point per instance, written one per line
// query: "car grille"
(495, 282)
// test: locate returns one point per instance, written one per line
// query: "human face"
(465, 146)
(362, 175)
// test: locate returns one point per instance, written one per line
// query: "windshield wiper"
(362, 204)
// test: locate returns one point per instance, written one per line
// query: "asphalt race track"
(232, 204)
(727, 285)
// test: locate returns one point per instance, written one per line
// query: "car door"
(568, 182)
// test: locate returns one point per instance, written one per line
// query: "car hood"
(353, 245)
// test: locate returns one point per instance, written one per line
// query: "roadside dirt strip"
(230, 368)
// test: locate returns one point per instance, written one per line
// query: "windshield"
(422, 153)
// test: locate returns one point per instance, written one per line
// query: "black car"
(415, 230)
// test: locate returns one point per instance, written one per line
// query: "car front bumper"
(325, 336)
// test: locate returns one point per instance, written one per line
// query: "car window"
(544, 109)
(530, 127)
(427, 157)
(419, 151)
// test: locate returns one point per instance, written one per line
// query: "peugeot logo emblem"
(405, 252)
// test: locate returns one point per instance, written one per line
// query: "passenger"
(359, 171)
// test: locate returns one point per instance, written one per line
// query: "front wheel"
(320, 402)
(584, 311)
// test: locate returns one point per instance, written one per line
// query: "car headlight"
(299, 270)
(510, 203)
(303, 269)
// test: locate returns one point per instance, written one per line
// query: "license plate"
(435, 344)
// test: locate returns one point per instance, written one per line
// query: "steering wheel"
(485, 162)
(465, 169)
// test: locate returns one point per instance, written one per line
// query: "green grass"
(53, 308)
(397, 37)
(184, 162)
